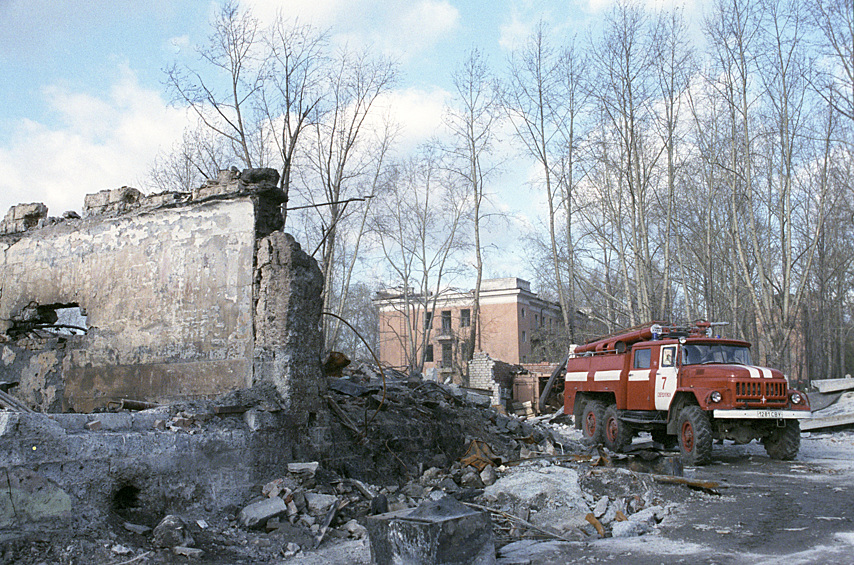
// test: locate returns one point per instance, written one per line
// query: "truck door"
(638, 385)
(666, 377)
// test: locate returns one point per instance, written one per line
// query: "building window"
(524, 336)
(523, 312)
(447, 356)
(536, 320)
(465, 318)
(446, 322)
(428, 320)
(428, 355)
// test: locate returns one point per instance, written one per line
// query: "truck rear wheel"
(618, 434)
(783, 443)
(695, 436)
(593, 423)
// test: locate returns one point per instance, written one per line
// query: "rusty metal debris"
(479, 455)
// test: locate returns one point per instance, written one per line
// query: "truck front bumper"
(762, 414)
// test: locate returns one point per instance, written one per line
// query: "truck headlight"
(715, 397)
(796, 398)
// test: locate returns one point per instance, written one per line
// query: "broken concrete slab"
(840, 413)
(319, 504)
(819, 422)
(833, 385)
(438, 532)
(256, 514)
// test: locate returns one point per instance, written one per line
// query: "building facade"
(440, 328)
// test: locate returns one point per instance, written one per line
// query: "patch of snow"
(553, 489)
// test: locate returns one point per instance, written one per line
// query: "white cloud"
(97, 143)
(514, 33)
(321, 13)
(398, 29)
(417, 112)
(420, 27)
(179, 43)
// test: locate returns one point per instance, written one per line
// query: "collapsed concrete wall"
(159, 298)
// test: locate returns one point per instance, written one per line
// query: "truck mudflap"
(762, 414)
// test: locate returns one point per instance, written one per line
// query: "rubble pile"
(410, 442)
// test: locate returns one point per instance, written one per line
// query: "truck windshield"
(697, 354)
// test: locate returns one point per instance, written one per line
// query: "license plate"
(768, 414)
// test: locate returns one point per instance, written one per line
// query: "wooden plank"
(833, 385)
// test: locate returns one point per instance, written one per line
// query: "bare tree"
(232, 58)
(418, 225)
(295, 60)
(835, 21)
(356, 82)
(623, 59)
(199, 156)
(674, 67)
(534, 104)
(473, 118)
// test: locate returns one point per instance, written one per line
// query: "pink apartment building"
(510, 316)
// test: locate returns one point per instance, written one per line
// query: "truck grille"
(753, 391)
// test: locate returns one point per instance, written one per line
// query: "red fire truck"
(683, 385)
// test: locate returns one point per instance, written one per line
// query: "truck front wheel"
(618, 434)
(783, 443)
(593, 423)
(695, 436)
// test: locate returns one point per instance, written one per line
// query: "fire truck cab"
(686, 387)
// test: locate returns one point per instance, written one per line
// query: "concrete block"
(256, 514)
(304, 468)
(114, 421)
(439, 532)
(480, 400)
(8, 423)
(318, 504)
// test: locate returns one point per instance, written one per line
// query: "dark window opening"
(428, 320)
(446, 322)
(465, 318)
(447, 356)
(55, 319)
(428, 355)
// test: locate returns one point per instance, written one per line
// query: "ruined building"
(158, 298)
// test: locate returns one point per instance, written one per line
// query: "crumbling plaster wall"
(168, 296)
(172, 296)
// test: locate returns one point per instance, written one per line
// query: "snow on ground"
(553, 491)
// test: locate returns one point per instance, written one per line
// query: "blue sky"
(85, 109)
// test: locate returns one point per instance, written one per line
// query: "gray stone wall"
(56, 468)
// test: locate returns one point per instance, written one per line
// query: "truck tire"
(695, 436)
(783, 443)
(661, 436)
(618, 434)
(593, 421)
